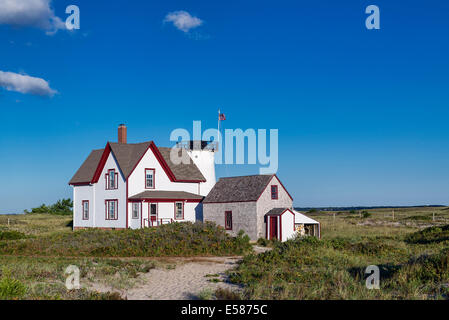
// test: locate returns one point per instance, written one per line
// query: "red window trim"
(115, 180)
(277, 192)
(154, 178)
(107, 208)
(182, 202)
(88, 209)
(226, 225)
(139, 205)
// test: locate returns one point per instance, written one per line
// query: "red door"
(273, 227)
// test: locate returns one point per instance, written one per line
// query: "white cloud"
(35, 13)
(183, 20)
(25, 84)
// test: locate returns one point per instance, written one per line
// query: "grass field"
(36, 249)
(413, 263)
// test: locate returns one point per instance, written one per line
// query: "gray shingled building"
(243, 203)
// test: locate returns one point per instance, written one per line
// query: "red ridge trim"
(102, 163)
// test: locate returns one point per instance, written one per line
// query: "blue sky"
(362, 114)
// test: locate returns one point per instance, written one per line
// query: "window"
(111, 209)
(228, 220)
(179, 210)
(136, 210)
(149, 178)
(85, 209)
(274, 192)
(111, 180)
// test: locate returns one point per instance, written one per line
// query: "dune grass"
(411, 251)
(413, 259)
(44, 278)
(176, 239)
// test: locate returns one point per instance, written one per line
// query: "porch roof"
(302, 218)
(166, 195)
(276, 211)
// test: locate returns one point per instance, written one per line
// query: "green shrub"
(11, 235)
(176, 239)
(11, 288)
(427, 268)
(262, 242)
(206, 294)
(226, 294)
(366, 214)
(429, 235)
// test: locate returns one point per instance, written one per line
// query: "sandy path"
(185, 281)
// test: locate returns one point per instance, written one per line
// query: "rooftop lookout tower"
(203, 155)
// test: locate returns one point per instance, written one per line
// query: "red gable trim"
(156, 152)
(269, 183)
(162, 162)
(165, 200)
(102, 163)
(165, 166)
(283, 187)
(137, 163)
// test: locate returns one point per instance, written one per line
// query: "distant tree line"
(317, 209)
(61, 207)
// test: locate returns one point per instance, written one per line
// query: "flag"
(221, 116)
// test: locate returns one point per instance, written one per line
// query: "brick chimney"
(122, 133)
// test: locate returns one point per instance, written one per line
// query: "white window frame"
(135, 205)
(85, 210)
(176, 210)
(152, 178)
(111, 184)
(108, 209)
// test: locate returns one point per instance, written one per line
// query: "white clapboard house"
(129, 185)
(138, 185)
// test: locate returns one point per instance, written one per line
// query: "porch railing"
(155, 223)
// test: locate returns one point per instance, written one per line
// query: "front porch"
(155, 208)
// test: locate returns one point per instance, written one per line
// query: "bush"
(61, 207)
(176, 239)
(11, 288)
(429, 235)
(206, 294)
(262, 242)
(226, 294)
(427, 268)
(366, 214)
(11, 235)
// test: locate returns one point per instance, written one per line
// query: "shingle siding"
(265, 204)
(243, 216)
(249, 216)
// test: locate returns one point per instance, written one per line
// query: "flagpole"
(218, 145)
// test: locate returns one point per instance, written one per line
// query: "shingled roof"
(277, 211)
(186, 170)
(238, 189)
(128, 156)
(86, 172)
